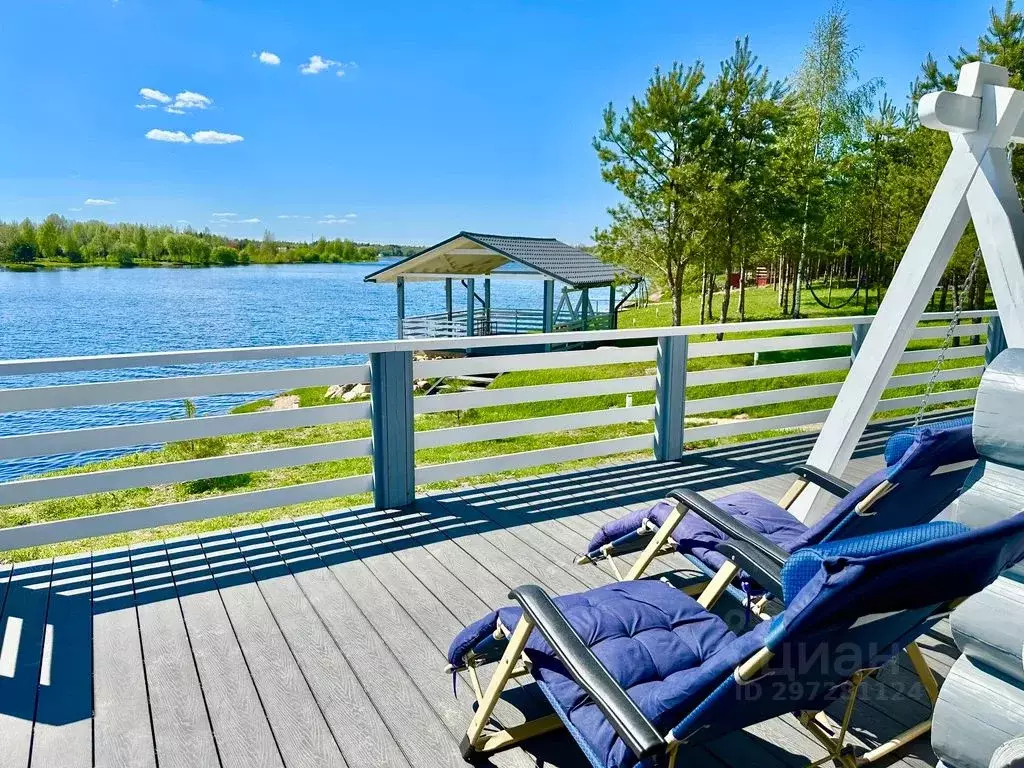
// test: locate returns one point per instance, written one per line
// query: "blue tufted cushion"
(897, 445)
(805, 564)
(696, 537)
(653, 639)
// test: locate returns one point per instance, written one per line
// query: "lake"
(99, 311)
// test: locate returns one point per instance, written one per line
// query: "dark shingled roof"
(552, 257)
(545, 254)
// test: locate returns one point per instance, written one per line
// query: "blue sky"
(448, 115)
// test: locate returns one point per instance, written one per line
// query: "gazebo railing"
(499, 322)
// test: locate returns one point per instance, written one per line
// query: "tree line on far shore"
(57, 240)
(817, 180)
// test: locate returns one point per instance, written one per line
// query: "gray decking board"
(301, 732)
(240, 726)
(122, 726)
(410, 717)
(181, 725)
(63, 728)
(321, 641)
(356, 727)
(24, 620)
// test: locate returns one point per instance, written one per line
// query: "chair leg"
(931, 688)
(794, 490)
(655, 545)
(475, 743)
(718, 584)
(819, 723)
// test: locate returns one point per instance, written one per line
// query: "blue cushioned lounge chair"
(925, 468)
(637, 671)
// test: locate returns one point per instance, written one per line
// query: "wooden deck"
(321, 641)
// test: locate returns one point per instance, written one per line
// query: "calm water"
(105, 311)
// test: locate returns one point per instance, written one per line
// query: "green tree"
(224, 256)
(750, 111)
(835, 104)
(652, 155)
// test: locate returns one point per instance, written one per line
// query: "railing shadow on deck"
(67, 595)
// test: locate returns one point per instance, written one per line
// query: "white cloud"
(223, 215)
(266, 57)
(293, 216)
(332, 220)
(253, 220)
(316, 65)
(74, 209)
(351, 215)
(174, 110)
(174, 137)
(145, 106)
(216, 137)
(98, 201)
(191, 100)
(151, 94)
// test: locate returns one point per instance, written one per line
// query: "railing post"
(995, 339)
(391, 414)
(860, 332)
(670, 398)
(470, 307)
(400, 288)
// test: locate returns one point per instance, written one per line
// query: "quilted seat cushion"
(654, 640)
(698, 538)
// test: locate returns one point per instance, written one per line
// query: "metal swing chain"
(953, 323)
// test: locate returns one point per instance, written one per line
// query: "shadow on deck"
(321, 641)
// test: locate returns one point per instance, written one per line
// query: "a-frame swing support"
(983, 117)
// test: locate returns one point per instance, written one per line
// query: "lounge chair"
(638, 671)
(925, 468)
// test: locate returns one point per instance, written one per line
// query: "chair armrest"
(823, 479)
(632, 726)
(729, 525)
(764, 569)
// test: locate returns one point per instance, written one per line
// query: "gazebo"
(470, 257)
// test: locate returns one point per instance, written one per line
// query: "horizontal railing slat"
(768, 371)
(81, 484)
(430, 369)
(461, 401)
(432, 473)
(695, 406)
(174, 430)
(769, 344)
(764, 397)
(39, 534)
(171, 388)
(931, 355)
(805, 418)
(940, 331)
(562, 422)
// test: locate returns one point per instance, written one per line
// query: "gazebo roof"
(469, 254)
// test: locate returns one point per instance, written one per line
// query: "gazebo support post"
(470, 306)
(549, 306)
(613, 316)
(487, 306)
(400, 286)
(448, 301)
(585, 306)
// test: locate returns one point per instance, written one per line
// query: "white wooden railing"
(391, 370)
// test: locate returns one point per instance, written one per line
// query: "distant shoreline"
(57, 265)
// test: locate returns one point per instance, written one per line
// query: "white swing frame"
(983, 117)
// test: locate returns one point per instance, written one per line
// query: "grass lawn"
(761, 305)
